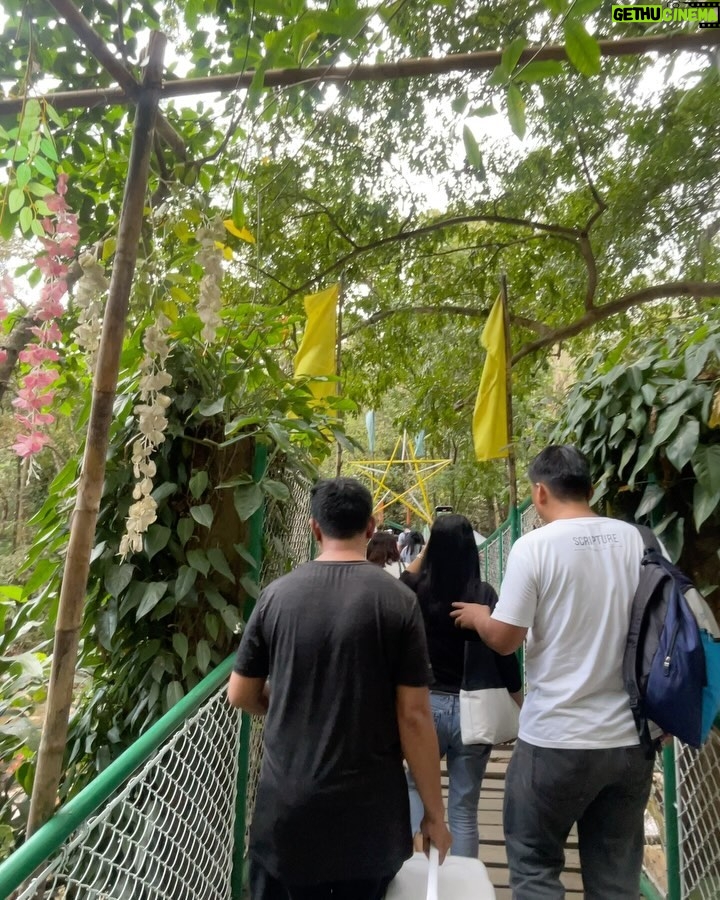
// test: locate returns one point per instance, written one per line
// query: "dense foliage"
(647, 413)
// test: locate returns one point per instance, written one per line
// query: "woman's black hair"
(450, 565)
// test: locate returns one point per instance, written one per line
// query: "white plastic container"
(458, 878)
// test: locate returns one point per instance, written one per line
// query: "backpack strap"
(649, 537)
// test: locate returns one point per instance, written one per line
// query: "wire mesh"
(287, 543)
(698, 794)
(167, 832)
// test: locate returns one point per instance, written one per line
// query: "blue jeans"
(466, 767)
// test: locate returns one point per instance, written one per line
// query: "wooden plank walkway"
(492, 840)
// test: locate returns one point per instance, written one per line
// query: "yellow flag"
(490, 424)
(316, 355)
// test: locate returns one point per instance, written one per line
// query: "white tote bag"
(488, 716)
(458, 878)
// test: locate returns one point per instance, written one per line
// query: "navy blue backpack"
(671, 666)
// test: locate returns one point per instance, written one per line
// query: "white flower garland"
(152, 423)
(210, 258)
(90, 287)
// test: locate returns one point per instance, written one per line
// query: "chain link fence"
(287, 543)
(167, 832)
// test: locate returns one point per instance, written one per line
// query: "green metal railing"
(74, 815)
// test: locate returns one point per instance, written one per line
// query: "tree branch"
(636, 298)
(115, 67)
(483, 61)
(560, 231)
(468, 311)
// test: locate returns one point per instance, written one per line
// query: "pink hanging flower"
(3, 356)
(29, 444)
(34, 398)
(49, 333)
(34, 355)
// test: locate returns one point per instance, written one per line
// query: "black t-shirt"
(335, 640)
(446, 642)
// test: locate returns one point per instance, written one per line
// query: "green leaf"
(16, 199)
(106, 624)
(219, 563)
(516, 110)
(202, 652)
(163, 491)
(654, 493)
(199, 561)
(212, 408)
(276, 489)
(203, 515)
(704, 503)
(680, 450)
(198, 483)
(156, 539)
(185, 528)
(538, 70)
(481, 112)
(238, 210)
(230, 617)
(243, 551)
(212, 625)
(173, 694)
(511, 54)
(581, 9)
(582, 49)
(215, 598)
(667, 423)
(23, 174)
(26, 219)
(247, 498)
(251, 587)
(706, 465)
(472, 151)
(185, 580)
(117, 578)
(180, 645)
(153, 592)
(645, 454)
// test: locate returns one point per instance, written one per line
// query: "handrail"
(501, 529)
(27, 858)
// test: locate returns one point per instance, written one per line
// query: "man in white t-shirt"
(569, 587)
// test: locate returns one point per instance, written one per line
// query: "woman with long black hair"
(448, 571)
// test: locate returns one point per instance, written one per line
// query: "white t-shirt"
(572, 583)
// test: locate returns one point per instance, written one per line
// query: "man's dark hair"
(564, 470)
(342, 507)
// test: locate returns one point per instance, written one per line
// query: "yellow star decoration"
(415, 498)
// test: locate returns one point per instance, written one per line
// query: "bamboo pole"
(483, 61)
(511, 461)
(82, 532)
(338, 366)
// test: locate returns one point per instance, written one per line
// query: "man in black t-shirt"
(335, 654)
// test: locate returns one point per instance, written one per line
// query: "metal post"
(255, 548)
(672, 829)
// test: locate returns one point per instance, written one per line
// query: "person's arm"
(499, 636)
(249, 694)
(247, 688)
(420, 749)
(415, 566)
